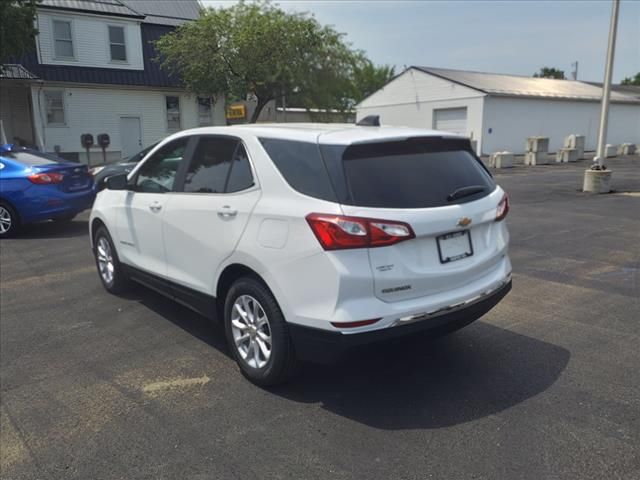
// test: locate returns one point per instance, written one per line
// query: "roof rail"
(369, 121)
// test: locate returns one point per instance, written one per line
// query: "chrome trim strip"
(453, 307)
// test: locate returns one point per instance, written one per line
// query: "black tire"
(13, 218)
(119, 282)
(282, 363)
(65, 218)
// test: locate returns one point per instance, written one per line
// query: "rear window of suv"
(415, 173)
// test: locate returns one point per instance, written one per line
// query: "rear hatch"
(438, 187)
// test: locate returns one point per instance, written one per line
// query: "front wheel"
(257, 333)
(110, 269)
(9, 221)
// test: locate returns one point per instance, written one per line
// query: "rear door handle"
(155, 207)
(227, 212)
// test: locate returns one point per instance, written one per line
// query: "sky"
(499, 36)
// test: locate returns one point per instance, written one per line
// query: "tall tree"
(17, 29)
(550, 72)
(368, 78)
(259, 50)
(635, 80)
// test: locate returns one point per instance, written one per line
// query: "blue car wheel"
(9, 221)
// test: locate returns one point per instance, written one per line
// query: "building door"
(130, 136)
(452, 120)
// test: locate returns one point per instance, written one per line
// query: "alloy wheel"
(5, 220)
(251, 331)
(105, 260)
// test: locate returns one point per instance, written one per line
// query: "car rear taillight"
(503, 208)
(339, 232)
(45, 178)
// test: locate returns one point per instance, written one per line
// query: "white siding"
(420, 114)
(414, 87)
(511, 120)
(90, 41)
(98, 110)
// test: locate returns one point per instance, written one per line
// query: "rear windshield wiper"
(465, 192)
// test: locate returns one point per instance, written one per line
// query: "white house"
(500, 111)
(92, 71)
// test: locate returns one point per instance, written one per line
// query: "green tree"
(260, 50)
(17, 29)
(368, 78)
(635, 80)
(550, 72)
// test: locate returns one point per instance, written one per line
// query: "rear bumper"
(45, 205)
(324, 346)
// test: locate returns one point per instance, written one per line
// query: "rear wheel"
(257, 333)
(9, 221)
(110, 269)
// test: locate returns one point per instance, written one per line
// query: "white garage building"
(500, 111)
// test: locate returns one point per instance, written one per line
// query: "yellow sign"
(235, 112)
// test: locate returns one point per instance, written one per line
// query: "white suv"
(306, 240)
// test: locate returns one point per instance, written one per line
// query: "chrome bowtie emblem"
(464, 221)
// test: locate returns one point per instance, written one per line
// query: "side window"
(158, 173)
(210, 165)
(240, 177)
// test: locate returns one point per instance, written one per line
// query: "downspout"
(41, 133)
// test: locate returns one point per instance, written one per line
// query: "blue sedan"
(36, 186)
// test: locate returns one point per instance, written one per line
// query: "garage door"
(451, 120)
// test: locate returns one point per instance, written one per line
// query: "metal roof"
(519, 86)
(633, 90)
(157, 12)
(103, 7)
(16, 72)
(152, 75)
(167, 12)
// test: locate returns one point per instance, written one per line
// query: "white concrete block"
(565, 155)
(536, 158)
(610, 151)
(501, 160)
(627, 149)
(537, 144)
(574, 141)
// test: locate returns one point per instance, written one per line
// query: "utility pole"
(598, 178)
(574, 72)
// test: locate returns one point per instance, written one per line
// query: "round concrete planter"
(597, 181)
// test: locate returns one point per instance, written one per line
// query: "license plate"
(454, 246)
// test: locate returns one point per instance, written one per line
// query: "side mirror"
(117, 182)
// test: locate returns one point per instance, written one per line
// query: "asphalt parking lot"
(546, 386)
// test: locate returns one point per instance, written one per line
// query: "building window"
(54, 104)
(173, 112)
(117, 44)
(62, 38)
(205, 116)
